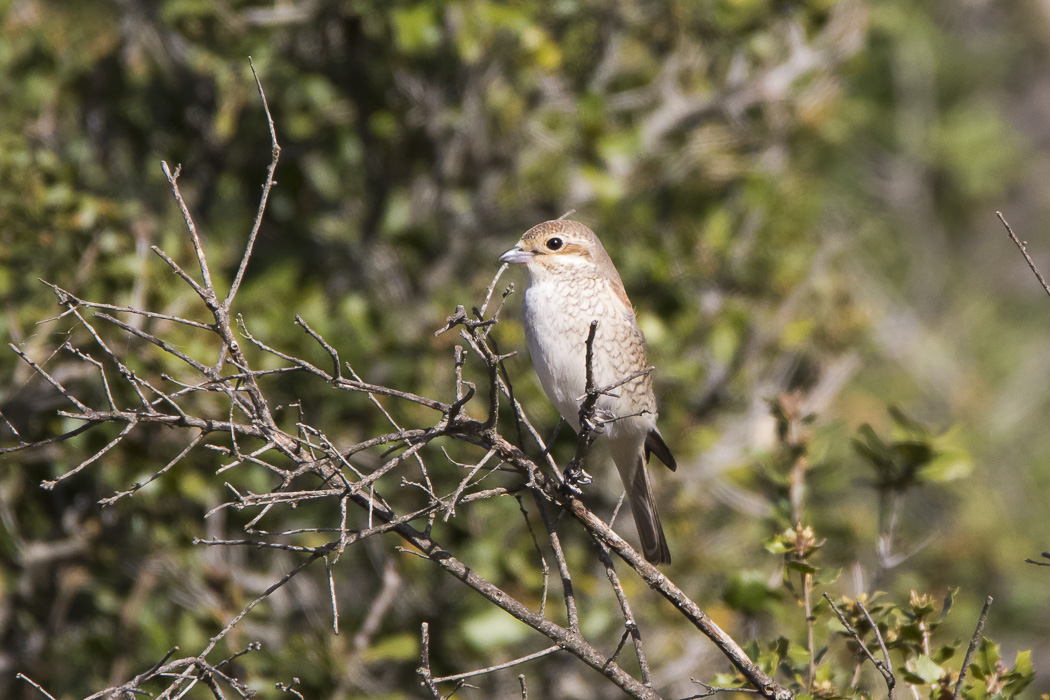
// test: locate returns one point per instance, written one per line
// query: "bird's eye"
(554, 243)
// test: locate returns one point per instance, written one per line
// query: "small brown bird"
(572, 282)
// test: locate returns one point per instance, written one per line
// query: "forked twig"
(625, 609)
(884, 668)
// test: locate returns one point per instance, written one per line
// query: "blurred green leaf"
(748, 592)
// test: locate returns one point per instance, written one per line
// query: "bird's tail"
(639, 488)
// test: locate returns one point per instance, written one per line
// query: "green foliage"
(914, 457)
(917, 649)
(992, 678)
(771, 236)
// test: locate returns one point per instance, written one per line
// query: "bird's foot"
(575, 477)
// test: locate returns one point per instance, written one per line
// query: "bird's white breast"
(558, 310)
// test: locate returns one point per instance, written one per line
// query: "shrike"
(572, 282)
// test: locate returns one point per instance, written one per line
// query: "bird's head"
(561, 248)
(557, 244)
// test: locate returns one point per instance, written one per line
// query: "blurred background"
(798, 196)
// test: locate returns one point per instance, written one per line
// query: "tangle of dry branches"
(220, 401)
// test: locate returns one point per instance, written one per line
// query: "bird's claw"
(576, 477)
(572, 489)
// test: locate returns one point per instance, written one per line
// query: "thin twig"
(974, 641)
(267, 186)
(166, 347)
(1024, 251)
(65, 298)
(48, 485)
(49, 441)
(883, 668)
(492, 286)
(878, 635)
(585, 438)
(51, 380)
(30, 681)
(331, 595)
(266, 594)
(544, 567)
(710, 690)
(175, 267)
(1045, 555)
(138, 485)
(101, 372)
(424, 663)
(336, 363)
(132, 685)
(625, 610)
(498, 667)
(568, 593)
(207, 293)
(133, 381)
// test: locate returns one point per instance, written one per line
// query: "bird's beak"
(516, 255)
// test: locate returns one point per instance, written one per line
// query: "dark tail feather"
(646, 517)
(654, 442)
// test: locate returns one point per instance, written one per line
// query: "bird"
(572, 281)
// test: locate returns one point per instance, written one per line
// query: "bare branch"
(331, 595)
(267, 186)
(30, 681)
(499, 667)
(545, 568)
(1045, 555)
(574, 472)
(878, 637)
(65, 298)
(101, 372)
(568, 593)
(48, 441)
(207, 293)
(1023, 247)
(51, 380)
(424, 663)
(175, 267)
(166, 347)
(492, 286)
(336, 364)
(974, 641)
(625, 609)
(266, 594)
(710, 690)
(49, 485)
(136, 486)
(884, 669)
